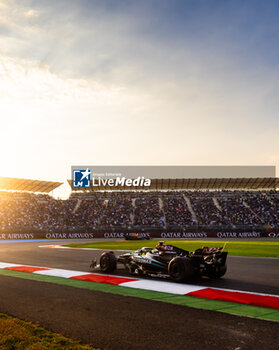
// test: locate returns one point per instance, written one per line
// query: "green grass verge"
(236, 248)
(18, 334)
(199, 303)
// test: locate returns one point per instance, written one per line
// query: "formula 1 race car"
(168, 261)
(137, 236)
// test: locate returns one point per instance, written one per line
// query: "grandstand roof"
(14, 184)
(195, 184)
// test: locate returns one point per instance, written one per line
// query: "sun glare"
(35, 107)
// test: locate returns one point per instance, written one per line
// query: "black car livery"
(168, 261)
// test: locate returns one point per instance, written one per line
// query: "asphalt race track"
(248, 274)
(119, 322)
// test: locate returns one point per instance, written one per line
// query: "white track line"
(57, 246)
(163, 286)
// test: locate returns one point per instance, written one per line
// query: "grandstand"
(27, 185)
(188, 205)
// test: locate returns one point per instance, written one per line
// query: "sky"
(150, 82)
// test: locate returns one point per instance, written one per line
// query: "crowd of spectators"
(134, 209)
(234, 212)
(177, 212)
(117, 212)
(87, 212)
(33, 211)
(148, 212)
(267, 209)
(206, 211)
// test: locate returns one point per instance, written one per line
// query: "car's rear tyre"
(108, 262)
(218, 271)
(180, 269)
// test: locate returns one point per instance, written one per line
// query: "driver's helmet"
(164, 248)
(160, 246)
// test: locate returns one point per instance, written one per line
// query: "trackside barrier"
(153, 234)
